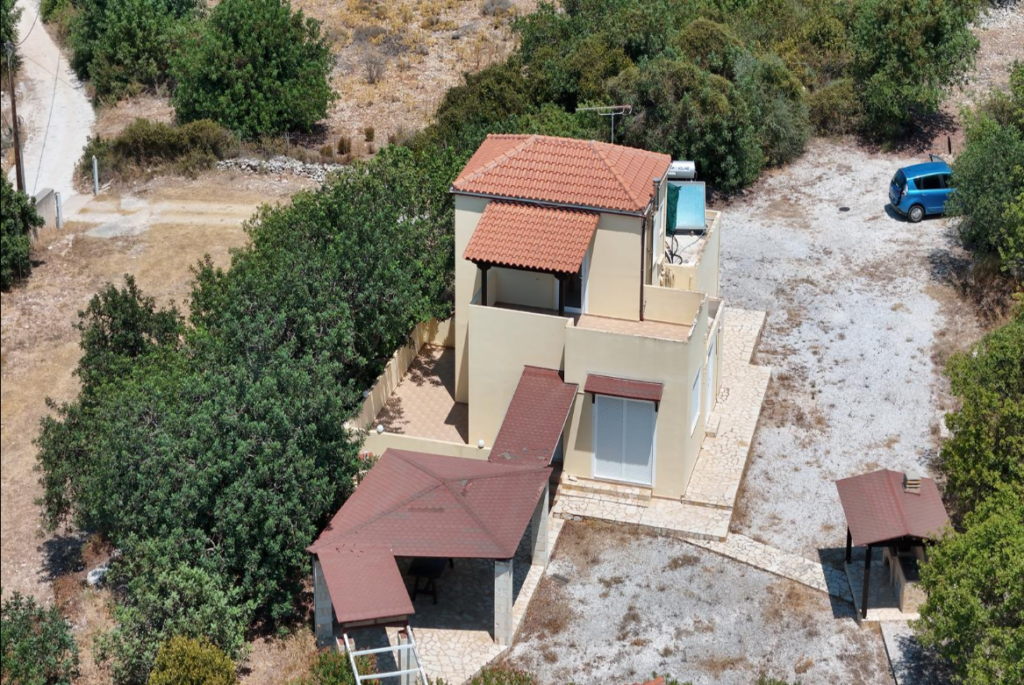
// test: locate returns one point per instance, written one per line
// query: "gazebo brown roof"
(879, 509)
(413, 504)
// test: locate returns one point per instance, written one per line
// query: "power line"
(29, 31)
(42, 150)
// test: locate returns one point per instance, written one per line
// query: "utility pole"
(19, 170)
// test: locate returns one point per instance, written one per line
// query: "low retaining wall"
(47, 204)
(377, 443)
(428, 333)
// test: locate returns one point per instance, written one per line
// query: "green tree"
(165, 593)
(691, 114)
(907, 54)
(18, 219)
(183, 661)
(778, 107)
(37, 646)
(256, 67)
(9, 16)
(989, 179)
(987, 446)
(974, 615)
(122, 46)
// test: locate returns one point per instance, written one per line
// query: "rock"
(96, 576)
(282, 165)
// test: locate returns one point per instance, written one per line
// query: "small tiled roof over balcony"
(582, 173)
(532, 237)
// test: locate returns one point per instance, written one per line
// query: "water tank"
(682, 171)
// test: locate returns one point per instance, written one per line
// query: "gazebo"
(898, 512)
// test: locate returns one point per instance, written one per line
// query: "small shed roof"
(367, 581)
(646, 391)
(535, 419)
(879, 509)
(532, 237)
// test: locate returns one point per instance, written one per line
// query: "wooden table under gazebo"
(901, 513)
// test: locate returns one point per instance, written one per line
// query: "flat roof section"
(423, 405)
(535, 419)
(641, 329)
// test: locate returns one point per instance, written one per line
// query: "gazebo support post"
(503, 601)
(539, 531)
(849, 546)
(867, 582)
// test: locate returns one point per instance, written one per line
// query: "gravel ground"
(860, 309)
(620, 606)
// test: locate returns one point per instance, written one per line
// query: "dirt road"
(156, 236)
(56, 112)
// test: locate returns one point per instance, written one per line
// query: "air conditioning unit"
(682, 171)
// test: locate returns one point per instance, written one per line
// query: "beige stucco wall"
(467, 283)
(378, 443)
(703, 276)
(503, 341)
(613, 285)
(525, 288)
(672, 306)
(674, 364)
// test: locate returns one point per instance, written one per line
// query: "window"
(576, 289)
(930, 183)
(900, 180)
(695, 398)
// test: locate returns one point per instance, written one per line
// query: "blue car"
(921, 189)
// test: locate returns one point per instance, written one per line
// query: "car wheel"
(915, 214)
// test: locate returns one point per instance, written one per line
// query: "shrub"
(776, 100)
(974, 614)
(9, 16)
(333, 668)
(122, 45)
(987, 446)
(989, 179)
(835, 108)
(907, 53)
(369, 133)
(59, 14)
(691, 114)
(183, 661)
(38, 648)
(497, 8)
(256, 67)
(501, 675)
(170, 589)
(344, 146)
(145, 145)
(18, 220)
(712, 46)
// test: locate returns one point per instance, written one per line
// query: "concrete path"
(57, 116)
(783, 564)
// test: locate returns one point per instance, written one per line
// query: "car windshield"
(900, 180)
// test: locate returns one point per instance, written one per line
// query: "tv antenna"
(610, 111)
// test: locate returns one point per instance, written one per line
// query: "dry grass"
(555, 614)
(719, 665)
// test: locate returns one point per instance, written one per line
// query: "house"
(563, 263)
(586, 339)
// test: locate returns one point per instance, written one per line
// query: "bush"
(691, 114)
(169, 589)
(907, 53)
(333, 668)
(974, 615)
(183, 661)
(122, 45)
(835, 108)
(989, 180)
(497, 8)
(146, 146)
(987, 446)
(712, 46)
(9, 16)
(776, 100)
(256, 67)
(38, 648)
(501, 675)
(18, 219)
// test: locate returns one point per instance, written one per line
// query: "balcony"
(692, 261)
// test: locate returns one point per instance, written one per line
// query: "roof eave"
(639, 213)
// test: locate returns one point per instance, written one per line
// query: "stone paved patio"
(423, 405)
(883, 604)
(706, 510)
(455, 637)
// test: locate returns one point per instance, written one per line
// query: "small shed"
(891, 510)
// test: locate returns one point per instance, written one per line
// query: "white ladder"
(419, 675)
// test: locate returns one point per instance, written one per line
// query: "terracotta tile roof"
(623, 387)
(563, 171)
(422, 505)
(878, 509)
(535, 419)
(532, 237)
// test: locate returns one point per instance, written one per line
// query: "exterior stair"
(582, 488)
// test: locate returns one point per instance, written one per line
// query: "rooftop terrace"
(423, 405)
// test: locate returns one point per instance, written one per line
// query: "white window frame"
(696, 397)
(654, 443)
